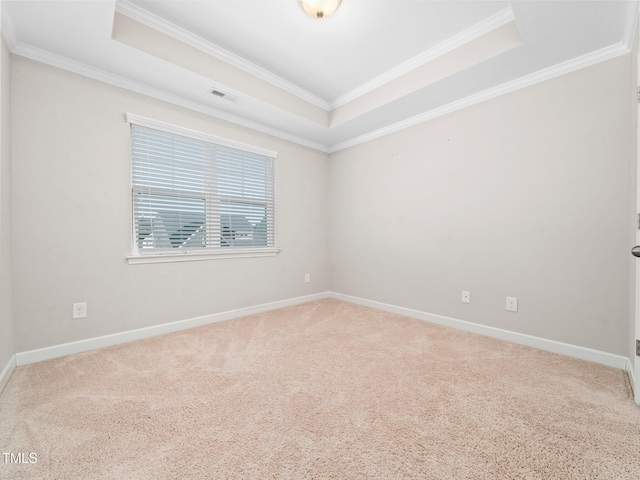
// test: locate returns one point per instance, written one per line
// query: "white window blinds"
(191, 195)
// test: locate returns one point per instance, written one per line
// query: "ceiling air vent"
(221, 94)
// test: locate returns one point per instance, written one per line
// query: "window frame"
(195, 254)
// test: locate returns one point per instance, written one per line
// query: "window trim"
(210, 254)
(195, 134)
(191, 256)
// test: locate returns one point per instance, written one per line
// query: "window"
(195, 194)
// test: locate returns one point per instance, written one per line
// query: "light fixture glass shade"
(320, 8)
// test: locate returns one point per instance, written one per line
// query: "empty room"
(319, 239)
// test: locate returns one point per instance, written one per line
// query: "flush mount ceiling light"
(320, 8)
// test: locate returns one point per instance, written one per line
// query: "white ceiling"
(328, 57)
(373, 67)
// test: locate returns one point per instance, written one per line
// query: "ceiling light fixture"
(320, 8)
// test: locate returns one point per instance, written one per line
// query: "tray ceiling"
(373, 67)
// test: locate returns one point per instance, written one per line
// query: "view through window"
(191, 195)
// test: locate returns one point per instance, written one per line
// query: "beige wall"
(7, 346)
(72, 220)
(526, 195)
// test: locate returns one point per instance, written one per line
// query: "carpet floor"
(323, 390)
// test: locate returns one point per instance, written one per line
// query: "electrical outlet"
(80, 310)
(307, 278)
(466, 297)
(512, 304)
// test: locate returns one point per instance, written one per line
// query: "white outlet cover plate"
(80, 310)
(466, 296)
(512, 304)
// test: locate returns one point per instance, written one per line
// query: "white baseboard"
(632, 380)
(7, 371)
(583, 353)
(55, 351)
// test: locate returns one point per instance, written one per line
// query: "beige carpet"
(317, 391)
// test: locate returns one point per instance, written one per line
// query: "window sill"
(192, 257)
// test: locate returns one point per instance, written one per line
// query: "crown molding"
(158, 23)
(80, 68)
(563, 68)
(471, 33)
(508, 87)
(83, 69)
(147, 18)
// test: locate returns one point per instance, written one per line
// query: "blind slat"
(190, 194)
